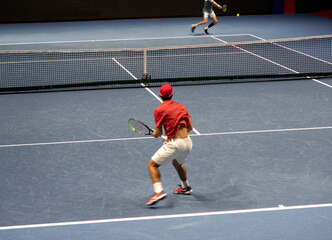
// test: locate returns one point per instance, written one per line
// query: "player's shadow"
(169, 204)
(201, 34)
(224, 197)
(219, 196)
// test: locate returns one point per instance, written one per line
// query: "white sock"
(158, 187)
(185, 184)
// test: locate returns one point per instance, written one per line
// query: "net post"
(146, 77)
(145, 61)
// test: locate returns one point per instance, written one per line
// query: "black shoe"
(206, 30)
(192, 28)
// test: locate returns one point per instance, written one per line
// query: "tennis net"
(283, 59)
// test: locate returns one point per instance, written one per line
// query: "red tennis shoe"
(156, 198)
(187, 191)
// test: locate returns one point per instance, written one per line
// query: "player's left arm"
(158, 132)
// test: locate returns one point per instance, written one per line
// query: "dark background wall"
(304, 6)
(67, 10)
(72, 10)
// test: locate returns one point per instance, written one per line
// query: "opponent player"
(176, 121)
(207, 12)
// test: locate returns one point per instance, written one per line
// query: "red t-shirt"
(170, 114)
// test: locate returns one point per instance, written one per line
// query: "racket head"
(139, 127)
(224, 8)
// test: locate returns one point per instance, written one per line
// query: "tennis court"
(261, 164)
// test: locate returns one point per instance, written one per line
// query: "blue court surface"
(260, 167)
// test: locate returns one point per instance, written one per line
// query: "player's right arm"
(157, 132)
(216, 4)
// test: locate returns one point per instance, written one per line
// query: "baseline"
(185, 215)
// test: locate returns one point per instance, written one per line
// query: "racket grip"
(163, 137)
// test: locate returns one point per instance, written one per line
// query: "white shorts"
(177, 148)
(207, 14)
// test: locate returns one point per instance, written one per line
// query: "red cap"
(166, 90)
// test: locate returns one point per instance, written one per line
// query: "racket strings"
(139, 127)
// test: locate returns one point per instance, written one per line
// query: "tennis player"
(176, 121)
(207, 12)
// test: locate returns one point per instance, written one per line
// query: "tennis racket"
(224, 8)
(140, 127)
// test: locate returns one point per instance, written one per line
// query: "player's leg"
(215, 21)
(205, 20)
(154, 171)
(157, 186)
(182, 172)
(163, 156)
(184, 148)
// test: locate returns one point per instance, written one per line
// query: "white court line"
(73, 142)
(124, 68)
(323, 83)
(293, 50)
(185, 215)
(266, 131)
(256, 55)
(275, 63)
(145, 138)
(123, 39)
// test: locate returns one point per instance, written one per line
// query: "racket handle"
(163, 137)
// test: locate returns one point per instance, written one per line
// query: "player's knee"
(175, 163)
(152, 164)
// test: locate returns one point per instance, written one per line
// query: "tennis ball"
(238, 15)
